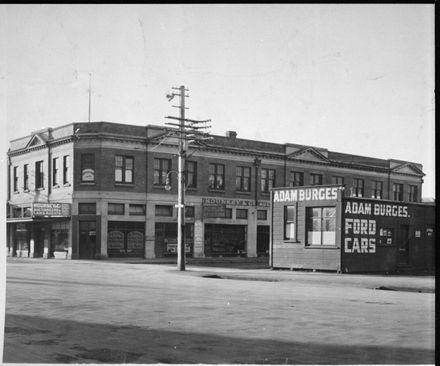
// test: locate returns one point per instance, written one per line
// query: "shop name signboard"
(306, 194)
(42, 209)
(361, 229)
(208, 201)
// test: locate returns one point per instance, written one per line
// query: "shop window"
(217, 176)
(189, 211)
(88, 208)
(358, 188)
(412, 193)
(27, 212)
(338, 180)
(26, 177)
(243, 179)
(15, 178)
(116, 208)
(290, 222)
(377, 189)
(164, 210)
(386, 236)
(88, 168)
(261, 214)
(55, 171)
(191, 174)
(16, 212)
(124, 169)
(136, 210)
(267, 179)
(398, 192)
(39, 175)
(241, 213)
(66, 169)
(60, 236)
(321, 226)
(315, 179)
(161, 169)
(296, 179)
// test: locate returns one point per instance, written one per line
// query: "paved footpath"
(116, 312)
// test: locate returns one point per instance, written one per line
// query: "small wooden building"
(319, 228)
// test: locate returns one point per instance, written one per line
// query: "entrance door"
(403, 245)
(263, 240)
(87, 239)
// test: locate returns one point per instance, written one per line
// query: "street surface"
(115, 312)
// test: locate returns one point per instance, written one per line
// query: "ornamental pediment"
(36, 140)
(308, 154)
(407, 168)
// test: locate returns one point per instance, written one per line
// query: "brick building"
(97, 189)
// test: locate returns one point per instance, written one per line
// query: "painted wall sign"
(50, 209)
(376, 209)
(306, 194)
(233, 202)
(88, 175)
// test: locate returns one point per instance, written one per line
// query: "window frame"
(134, 212)
(413, 192)
(66, 169)
(114, 210)
(244, 213)
(338, 179)
(162, 175)
(15, 179)
(296, 177)
(266, 180)
(169, 208)
(83, 205)
(191, 173)
(321, 226)
(88, 163)
(260, 214)
(377, 189)
(39, 174)
(124, 169)
(313, 177)
(398, 193)
(287, 222)
(55, 172)
(214, 178)
(240, 179)
(358, 189)
(26, 177)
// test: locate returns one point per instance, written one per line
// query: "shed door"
(403, 245)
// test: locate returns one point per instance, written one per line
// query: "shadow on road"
(33, 339)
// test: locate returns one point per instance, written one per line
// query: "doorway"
(87, 239)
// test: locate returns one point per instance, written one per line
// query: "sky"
(355, 78)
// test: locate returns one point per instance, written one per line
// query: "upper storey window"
(39, 174)
(161, 169)
(267, 179)
(87, 167)
(242, 179)
(124, 169)
(216, 176)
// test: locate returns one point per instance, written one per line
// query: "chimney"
(231, 135)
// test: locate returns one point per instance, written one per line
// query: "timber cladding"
(306, 227)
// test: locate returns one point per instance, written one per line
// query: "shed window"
(321, 225)
(290, 222)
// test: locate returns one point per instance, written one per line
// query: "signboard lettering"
(50, 209)
(306, 194)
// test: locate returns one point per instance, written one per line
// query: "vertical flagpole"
(90, 94)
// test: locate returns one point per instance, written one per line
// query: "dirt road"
(92, 312)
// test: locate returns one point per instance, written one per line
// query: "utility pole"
(187, 131)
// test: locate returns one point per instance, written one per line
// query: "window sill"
(287, 241)
(55, 186)
(122, 184)
(67, 185)
(88, 183)
(39, 189)
(26, 190)
(244, 193)
(321, 247)
(213, 190)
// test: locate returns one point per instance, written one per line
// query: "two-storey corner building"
(98, 189)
